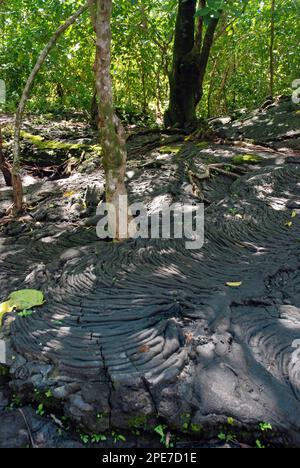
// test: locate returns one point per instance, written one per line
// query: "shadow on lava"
(146, 330)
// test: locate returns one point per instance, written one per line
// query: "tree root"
(195, 179)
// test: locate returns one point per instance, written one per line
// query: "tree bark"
(113, 135)
(204, 56)
(94, 116)
(190, 60)
(16, 178)
(184, 73)
(271, 50)
(4, 165)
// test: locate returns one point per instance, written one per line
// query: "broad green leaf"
(26, 299)
(21, 300)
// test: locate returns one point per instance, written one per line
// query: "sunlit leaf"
(234, 284)
(26, 299)
(68, 194)
(21, 300)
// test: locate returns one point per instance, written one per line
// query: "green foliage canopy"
(143, 32)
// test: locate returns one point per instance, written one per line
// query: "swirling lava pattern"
(150, 328)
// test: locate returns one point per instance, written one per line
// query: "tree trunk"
(4, 165)
(16, 178)
(94, 119)
(204, 56)
(18, 193)
(271, 50)
(190, 59)
(184, 75)
(112, 131)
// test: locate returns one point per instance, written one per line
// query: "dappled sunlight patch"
(170, 271)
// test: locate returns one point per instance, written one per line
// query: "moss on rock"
(139, 421)
(43, 144)
(246, 159)
(169, 149)
(203, 145)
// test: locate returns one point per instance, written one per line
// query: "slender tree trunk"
(190, 60)
(4, 165)
(112, 131)
(222, 88)
(271, 51)
(204, 56)
(211, 87)
(144, 87)
(94, 121)
(16, 178)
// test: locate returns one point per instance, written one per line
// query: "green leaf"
(160, 430)
(205, 11)
(26, 299)
(23, 300)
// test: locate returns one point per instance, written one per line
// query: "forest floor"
(185, 357)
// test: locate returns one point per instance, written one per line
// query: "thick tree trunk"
(190, 59)
(184, 75)
(112, 131)
(4, 165)
(16, 178)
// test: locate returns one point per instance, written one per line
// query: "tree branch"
(199, 31)
(18, 192)
(207, 44)
(230, 23)
(93, 12)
